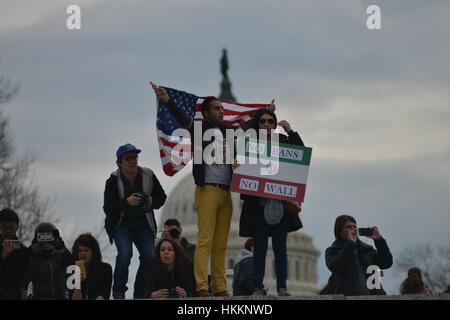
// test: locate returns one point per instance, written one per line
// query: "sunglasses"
(269, 121)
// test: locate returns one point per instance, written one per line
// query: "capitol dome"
(302, 255)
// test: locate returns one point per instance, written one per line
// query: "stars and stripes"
(174, 141)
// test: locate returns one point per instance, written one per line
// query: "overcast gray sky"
(373, 104)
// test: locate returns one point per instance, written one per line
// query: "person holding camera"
(13, 256)
(348, 257)
(171, 273)
(131, 194)
(173, 230)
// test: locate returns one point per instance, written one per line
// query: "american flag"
(172, 144)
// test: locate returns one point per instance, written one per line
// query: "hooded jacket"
(347, 259)
(243, 274)
(47, 271)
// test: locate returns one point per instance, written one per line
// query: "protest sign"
(272, 170)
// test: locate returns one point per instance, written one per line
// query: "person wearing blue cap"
(131, 194)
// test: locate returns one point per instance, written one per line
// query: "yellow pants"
(214, 210)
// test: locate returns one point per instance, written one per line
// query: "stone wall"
(442, 296)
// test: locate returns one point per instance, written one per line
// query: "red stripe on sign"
(269, 188)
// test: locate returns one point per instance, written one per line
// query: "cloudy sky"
(373, 104)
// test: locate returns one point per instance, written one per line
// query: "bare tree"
(7, 90)
(18, 190)
(433, 261)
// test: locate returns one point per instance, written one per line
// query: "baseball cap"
(126, 148)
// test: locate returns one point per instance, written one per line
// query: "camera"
(365, 232)
(174, 233)
(173, 293)
(144, 201)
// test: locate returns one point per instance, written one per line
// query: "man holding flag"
(211, 175)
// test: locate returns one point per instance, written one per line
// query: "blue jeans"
(144, 241)
(279, 237)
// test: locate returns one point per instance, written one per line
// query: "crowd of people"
(173, 267)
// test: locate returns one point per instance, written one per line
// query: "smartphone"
(365, 232)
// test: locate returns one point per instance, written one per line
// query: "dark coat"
(12, 270)
(98, 283)
(157, 280)
(47, 272)
(243, 276)
(340, 260)
(113, 206)
(251, 207)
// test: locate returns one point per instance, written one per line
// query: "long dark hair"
(339, 224)
(262, 112)
(413, 284)
(88, 240)
(330, 288)
(183, 264)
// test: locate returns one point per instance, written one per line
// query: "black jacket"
(187, 122)
(251, 207)
(98, 283)
(243, 275)
(113, 206)
(47, 272)
(341, 261)
(12, 270)
(157, 280)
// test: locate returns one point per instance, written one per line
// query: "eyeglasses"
(128, 159)
(269, 121)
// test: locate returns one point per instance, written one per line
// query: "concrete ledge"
(442, 296)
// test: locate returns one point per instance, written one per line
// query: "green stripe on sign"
(274, 151)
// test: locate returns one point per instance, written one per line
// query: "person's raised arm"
(383, 258)
(160, 93)
(293, 136)
(271, 107)
(184, 119)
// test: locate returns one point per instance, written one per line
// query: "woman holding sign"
(262, 218)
